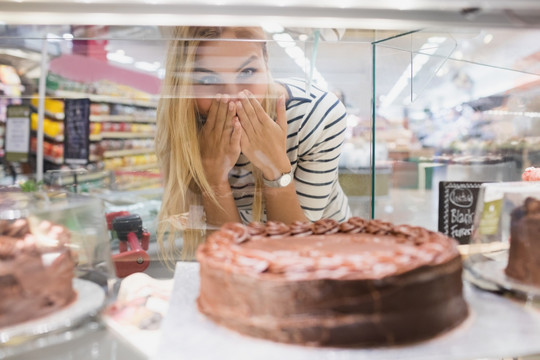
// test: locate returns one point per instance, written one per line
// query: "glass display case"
(452, 106)
(438, 101)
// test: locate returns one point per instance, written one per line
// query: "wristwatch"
(282, 181)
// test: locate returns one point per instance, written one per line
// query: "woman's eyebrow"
(250, 59)
(197, 69)
(205, 70)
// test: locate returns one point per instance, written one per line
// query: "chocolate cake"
(35, 277)
(358, 283)
(524, 254)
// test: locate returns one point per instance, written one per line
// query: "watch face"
(285, 180)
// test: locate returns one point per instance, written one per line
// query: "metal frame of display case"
(361, 14)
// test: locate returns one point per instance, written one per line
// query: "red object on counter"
(113, 215)
(133, 260)
(133, 241)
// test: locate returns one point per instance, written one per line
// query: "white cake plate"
(489, 274)
(90, 299)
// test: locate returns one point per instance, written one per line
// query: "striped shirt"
(315, 134)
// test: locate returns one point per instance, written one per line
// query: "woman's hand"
(263, 141)
(219, 140)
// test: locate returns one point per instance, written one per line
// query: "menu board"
(76, 131)
(17, 135)
(457, 205)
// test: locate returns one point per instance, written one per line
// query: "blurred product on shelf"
(100, 109)
(482, 168)
(125, 162)
(53, 151)
(59, 86)
(52, 106)
(51, 128)
(134, 180)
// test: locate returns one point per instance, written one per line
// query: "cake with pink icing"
(531, 174)
(358, 283)
(35, 278)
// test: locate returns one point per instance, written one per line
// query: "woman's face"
(228, 67)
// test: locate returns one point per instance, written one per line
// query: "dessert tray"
(489, 275)
(188, 334)
(90, 299)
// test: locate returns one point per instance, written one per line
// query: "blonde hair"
(177, 144)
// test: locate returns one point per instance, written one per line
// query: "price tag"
(17, 136)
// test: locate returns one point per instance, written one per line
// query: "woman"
(230, 140)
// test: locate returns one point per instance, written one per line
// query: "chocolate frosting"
(308, 250)
(328, 284)
(524, 254)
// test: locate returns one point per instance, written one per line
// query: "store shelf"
(50, 115)
(69, 178)
(60, 161)
(59, 138)
(122, 118)
(127, 152)
(106, 98)
(138, 167)
(56, 161)
(126, 135)
(54, 116)
(139, 184)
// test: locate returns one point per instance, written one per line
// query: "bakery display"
(524, 253)
(358, 283)
(36, 270)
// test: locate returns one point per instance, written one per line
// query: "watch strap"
(277, 183)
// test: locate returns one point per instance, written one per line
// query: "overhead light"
(458, 55)
(488, 38)
(68, 36)
(146, 66)
(119, 57)
(271, 27)
(303, 37)
(53, 37)
(161, 73)
(284, 40)
(443, 71)
(436, 39)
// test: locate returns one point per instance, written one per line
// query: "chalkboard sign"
(76, 131)
(17, 135)
(457, 204)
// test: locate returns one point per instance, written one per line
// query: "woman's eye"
(248, 72)
(208, 80)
